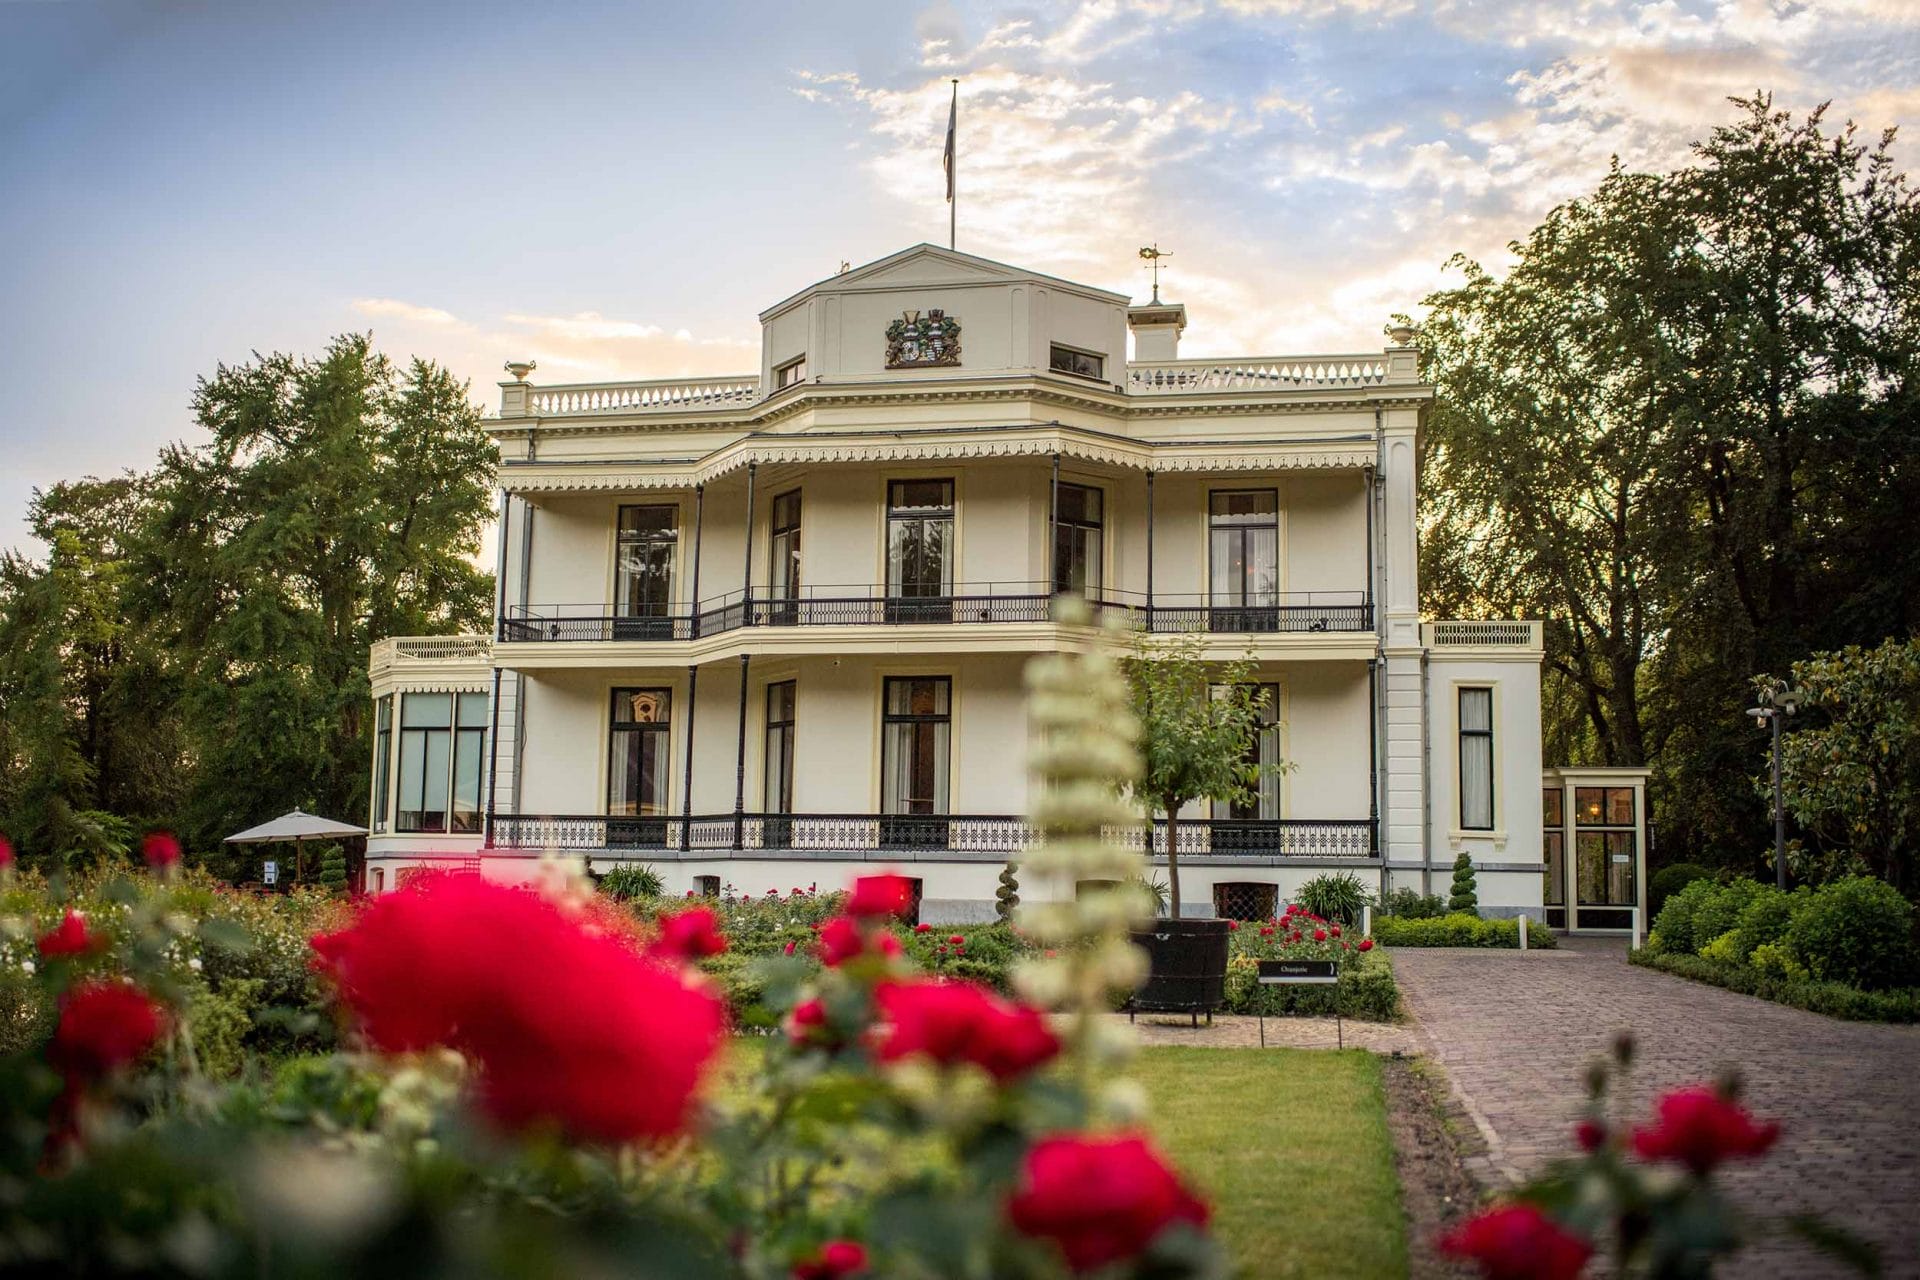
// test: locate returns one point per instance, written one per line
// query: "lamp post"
(1776, 703)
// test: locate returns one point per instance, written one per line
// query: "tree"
(1465, 892)
(340, 498)
(1850, 772)
(1679, 430)
(333, 869)
(1006, 898)
(1200, 723)
(90, 747)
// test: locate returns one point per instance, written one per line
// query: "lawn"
(1291, 1148)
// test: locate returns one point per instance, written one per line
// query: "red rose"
(1590, 1134)
(690, 935)
(6, 853)
(1336, 930)
(807, 1024)
(790, 947)
(69, 937)
(567, 1026)
(1518, 1242)
(1699, 1128)
(1319, 935)
(160, 849)
(103, 1025)
(1366, 944)
(881, 895)
(923, 928)
(954, 1022)
(1266, 931)
(832, 1260)
(1100, 1200)
(840, 941)
(1233, 926)
(956, 941)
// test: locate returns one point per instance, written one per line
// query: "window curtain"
(1476, 759)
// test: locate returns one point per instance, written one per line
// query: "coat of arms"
(916, 340)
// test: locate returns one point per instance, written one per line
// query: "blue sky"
(616, 189)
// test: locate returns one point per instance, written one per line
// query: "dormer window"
(1081, 364)
(792, 373)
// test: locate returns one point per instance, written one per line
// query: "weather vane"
(1153, 253)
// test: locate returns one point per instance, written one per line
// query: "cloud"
(1313, 163)
(583, 347)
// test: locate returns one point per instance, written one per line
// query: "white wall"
(1515, 839)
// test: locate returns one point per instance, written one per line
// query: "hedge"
(1458, 930)
(1834, 999)
(1366, 990)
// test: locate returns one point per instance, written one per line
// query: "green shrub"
(333, 869)
(1674, 925)
(1764, 920)
(219, 1023)
(1833, 999)
(1366, 990)
(625, 884)
(1670, 880)
(1720, 910)
(985, 953)
(1457, 930)
(1465, 893)
(1006, 897)
(26, 1014)
(1857, 931)
(1410, 904)
(1776, 960)
(1337, 895)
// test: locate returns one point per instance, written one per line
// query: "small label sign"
(271, 874)
(1300, 971)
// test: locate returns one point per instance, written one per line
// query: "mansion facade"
(767, 631)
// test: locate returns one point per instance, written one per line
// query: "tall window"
(1553, 802)
(643, 573)
(778, 796)
(1603, 850)
(916, 729)
(1078, 530)
(637, 775)
(1264, 751)
(443, 748)
(783, 570)
(382, 760)
(1243, 537)
(1476, 759)
(919, 540)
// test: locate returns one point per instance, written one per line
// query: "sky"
(616, 190)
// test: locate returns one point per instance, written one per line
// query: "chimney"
(1156, 330)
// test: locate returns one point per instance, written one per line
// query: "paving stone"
(1514, 1032)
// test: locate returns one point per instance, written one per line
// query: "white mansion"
(768, 630)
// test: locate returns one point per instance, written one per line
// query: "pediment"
(926, 266)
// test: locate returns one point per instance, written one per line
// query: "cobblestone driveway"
(1514, 1032)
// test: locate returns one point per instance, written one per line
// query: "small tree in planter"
(1466, 894)
(1199, 722)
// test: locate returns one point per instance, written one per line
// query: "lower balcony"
(971, 836)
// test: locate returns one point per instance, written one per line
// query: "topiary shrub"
(1465, 895)
(1338, 895)
(1670, 880)
(1007, 897)
(1673, 927)
(1410, 904)
(1720, 910)
(333, 869)
(1856, 930)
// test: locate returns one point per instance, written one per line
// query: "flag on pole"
(953, 119)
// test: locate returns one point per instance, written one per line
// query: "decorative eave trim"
(523, 476)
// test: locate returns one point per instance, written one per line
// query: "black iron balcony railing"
(876, 605)
(911, 834)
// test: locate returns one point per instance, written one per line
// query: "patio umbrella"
(295, 828)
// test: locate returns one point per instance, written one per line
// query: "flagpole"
(953, 177)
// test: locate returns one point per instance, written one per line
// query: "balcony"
(907, 836)
(871, 605)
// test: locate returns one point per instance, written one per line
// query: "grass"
(1291, 1148)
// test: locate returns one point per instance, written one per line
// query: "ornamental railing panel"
(912, 834)
(664, 395)
(1264, 373)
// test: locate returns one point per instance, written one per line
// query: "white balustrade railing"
(1262, 373)
(431, 649)
(1482, 634)
(642, 397)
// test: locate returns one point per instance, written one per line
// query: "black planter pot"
(1188, 973)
